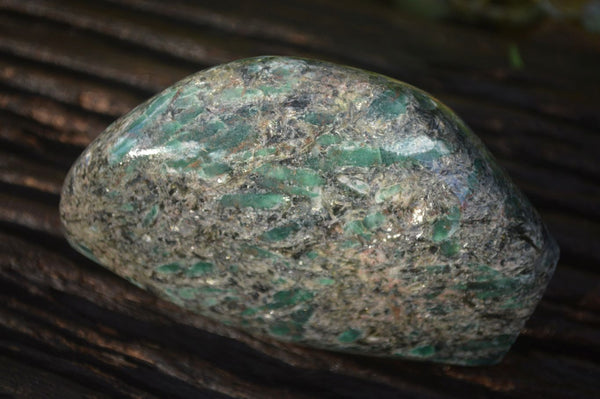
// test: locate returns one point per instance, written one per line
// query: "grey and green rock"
(317, 204)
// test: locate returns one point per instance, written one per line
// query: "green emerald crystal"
(316, 204)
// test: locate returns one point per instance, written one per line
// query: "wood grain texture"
(69, 328)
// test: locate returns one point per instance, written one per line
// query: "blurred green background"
(507, 14)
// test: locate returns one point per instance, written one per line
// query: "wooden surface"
(70, 329)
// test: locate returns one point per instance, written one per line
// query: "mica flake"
(316, 204)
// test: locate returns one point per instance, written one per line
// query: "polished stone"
(317, 204)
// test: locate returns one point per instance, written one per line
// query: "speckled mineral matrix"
(317, 204)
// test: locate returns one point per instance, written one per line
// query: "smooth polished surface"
(317, 204)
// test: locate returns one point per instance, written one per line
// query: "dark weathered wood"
(69, 328)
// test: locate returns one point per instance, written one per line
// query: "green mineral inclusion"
(389, 104)
(122, 148)
(444, 227)
(253, 200)
(200, 268)
(423, 351)
(280, 233)
(169, 268)
(363, 227)
(349, 336)
(290, 297)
